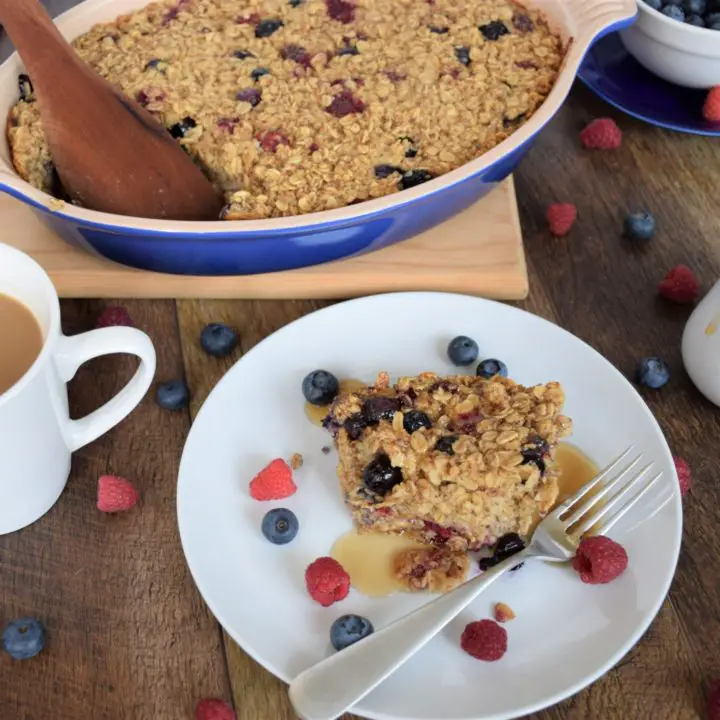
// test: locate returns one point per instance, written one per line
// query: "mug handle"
(73, 351)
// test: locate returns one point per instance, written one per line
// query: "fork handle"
(330, 688)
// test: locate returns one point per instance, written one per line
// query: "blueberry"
(265, 28)
(380, 407)
(380, 476)
(639, 226)
(181, 129)
(218, 339)
(463, 55)
(348, 50)
(243, 54)
(654, 4)
(494, 30)
(354, 426)
(280, 526)
(156, 64)
(320, 387)
(414, 177)
(695, 7)
(295, 3)
(445, 444)
(411, 150)
(652, 372)
(509, 545)
(463, 350)
(348, 629)
(712, 20)
(438, 30)
(23, 638)
(674, 12)
(25, 86)
(492, 367)
(695, 20)
(172, 395)
(258, 72)
(250, 95)
(416, 419)
(383, 171)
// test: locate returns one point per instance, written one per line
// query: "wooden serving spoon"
(110, 153)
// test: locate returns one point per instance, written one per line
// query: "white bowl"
(680, 53)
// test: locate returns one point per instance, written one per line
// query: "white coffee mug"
(701, 345)
(37, 435)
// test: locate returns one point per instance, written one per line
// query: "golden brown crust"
(487, 487)
(298, 144)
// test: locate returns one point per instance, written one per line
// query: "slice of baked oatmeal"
(453, 461)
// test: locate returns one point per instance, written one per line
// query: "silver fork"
(330, 688)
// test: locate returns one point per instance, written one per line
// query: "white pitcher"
(701, 346)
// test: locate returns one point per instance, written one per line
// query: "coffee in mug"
(20, 341)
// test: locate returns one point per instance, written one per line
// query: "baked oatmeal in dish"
(299, 106)
(456, 462)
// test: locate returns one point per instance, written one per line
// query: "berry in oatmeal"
(416, 419)
(460, 483)
(352, 77)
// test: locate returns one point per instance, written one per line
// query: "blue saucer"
(611, 72)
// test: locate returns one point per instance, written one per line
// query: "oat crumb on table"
(296, 461)
(298, 107)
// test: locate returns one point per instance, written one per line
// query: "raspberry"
(561, 217)
(711, 109)
(115, 494)
(503, 613)
(600, 560)
(684, 474)
(713, 704)
(114, 315)
(680, 285)
(273, 482)
(213, 709)
(484, 640)
(341, 10)
(601, 134)
(345, 103)
(272, 139)
(327, 582)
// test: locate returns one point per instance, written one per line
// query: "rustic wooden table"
(130, 637)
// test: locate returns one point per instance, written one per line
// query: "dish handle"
(589, 20)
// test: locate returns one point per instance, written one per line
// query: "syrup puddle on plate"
(368, 559)
(317, 413)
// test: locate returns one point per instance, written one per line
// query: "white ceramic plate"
(566, 634)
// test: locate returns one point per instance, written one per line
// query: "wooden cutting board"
(478, 252)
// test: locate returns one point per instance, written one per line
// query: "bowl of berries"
(678, 40)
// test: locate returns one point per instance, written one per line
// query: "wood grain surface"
(130, 638)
